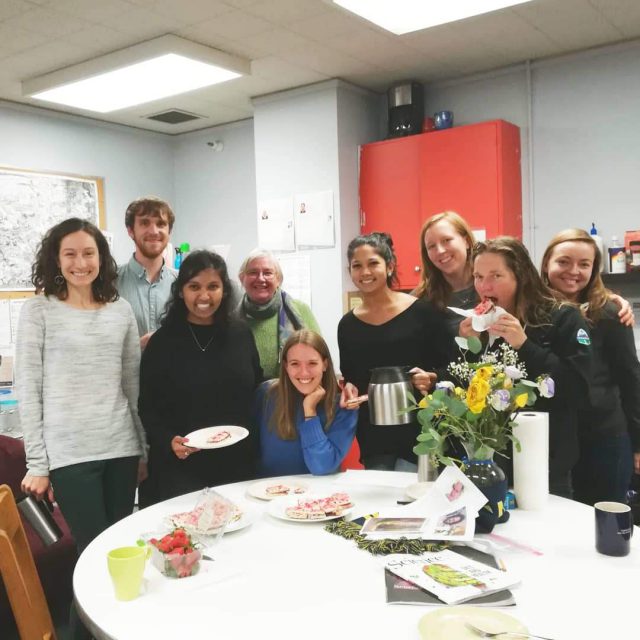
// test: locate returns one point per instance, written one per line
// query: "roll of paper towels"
(531, 464)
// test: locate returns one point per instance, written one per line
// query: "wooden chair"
(20, 576)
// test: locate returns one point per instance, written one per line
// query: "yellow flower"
(521, 400)
(423, 404)
(476, 395)
(483, 373)
(460, 393)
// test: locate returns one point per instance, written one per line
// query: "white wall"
(215, 192)
(133, 163)
(586, 152)
(580, 135)
(297, 149)
(359, 116)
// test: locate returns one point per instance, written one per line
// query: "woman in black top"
(609, 420)
(549, 338)
(199, 369)
(389, 328)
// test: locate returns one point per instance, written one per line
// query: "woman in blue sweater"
(303, 428)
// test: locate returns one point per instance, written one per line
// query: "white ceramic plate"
(200, 438)
(448, 623)
(278, 509)
(418, 489)
(259, 489)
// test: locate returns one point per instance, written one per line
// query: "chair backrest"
(20, 576)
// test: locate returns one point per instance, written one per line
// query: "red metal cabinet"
(473, 169)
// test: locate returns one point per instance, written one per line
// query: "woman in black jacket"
(549, 338)
(609, 423)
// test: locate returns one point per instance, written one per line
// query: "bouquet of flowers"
(175, 554)
(479, 409)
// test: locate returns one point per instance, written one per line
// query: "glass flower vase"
(487, 475)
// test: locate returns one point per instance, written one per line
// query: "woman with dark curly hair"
(77, 368)
(199, 369)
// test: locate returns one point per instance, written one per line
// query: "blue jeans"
(604, 470)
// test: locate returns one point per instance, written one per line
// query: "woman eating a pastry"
(549, 337)
(199, 369)
(303, 428)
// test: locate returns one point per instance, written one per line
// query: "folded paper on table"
(446, 512)
(531, 464)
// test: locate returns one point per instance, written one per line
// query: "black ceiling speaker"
(406, 109)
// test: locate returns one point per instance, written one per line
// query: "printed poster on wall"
(296, 272)
(276, 230)
(313, 214)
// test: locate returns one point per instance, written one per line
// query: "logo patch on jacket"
(583, 337)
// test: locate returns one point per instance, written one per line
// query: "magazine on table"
(450, 576)
(400, 591)
(447, 512)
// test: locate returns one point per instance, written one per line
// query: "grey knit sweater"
(77, 377)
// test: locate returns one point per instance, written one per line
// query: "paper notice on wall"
(296, 271)
(276, 230)
(480, 235)
(9, 317)
(314, 219)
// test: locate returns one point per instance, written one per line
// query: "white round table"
(279, 579)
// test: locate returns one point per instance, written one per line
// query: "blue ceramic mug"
(443, 119)
(614, 528)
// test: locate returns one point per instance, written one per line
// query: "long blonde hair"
(594, 296)
(288, 399)
(433, 285)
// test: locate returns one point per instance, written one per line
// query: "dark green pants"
(94, 495)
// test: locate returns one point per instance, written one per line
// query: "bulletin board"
(31, 202)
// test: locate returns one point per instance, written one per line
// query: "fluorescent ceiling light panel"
(159, 68)
(404, 16)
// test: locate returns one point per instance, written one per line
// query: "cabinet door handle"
(363, 219)
(416, 269)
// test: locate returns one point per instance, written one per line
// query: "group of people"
(116, 366)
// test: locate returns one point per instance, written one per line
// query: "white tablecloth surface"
(279, 579)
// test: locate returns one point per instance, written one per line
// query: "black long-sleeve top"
(561, 349)
(418, 336)
(614, 407)
(183, 388)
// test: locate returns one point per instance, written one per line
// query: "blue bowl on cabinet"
(443, 119)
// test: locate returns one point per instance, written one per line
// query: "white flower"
(513, 372)
(446, 386)
(500, 400)
(546, 386)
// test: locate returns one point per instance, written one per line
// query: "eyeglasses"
(267, 274)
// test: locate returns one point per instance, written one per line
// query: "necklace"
(193, 335)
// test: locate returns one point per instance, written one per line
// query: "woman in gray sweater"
(77, 367)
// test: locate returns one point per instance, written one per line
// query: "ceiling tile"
(282, 71)
(92, 11)
(274, 41)
(15, 39)
(143, 24)
(191, 12)
(324, 26)
(235, 24)
(53, 24)
(623, 14)
(573, 24)
(10, 8)
(286, 11)
(98, 40)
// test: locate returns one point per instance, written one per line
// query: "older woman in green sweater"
(270, 312)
